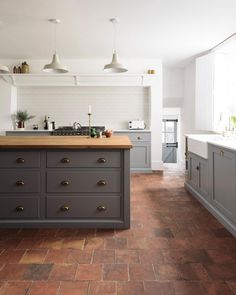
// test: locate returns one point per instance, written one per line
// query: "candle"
(90, 109)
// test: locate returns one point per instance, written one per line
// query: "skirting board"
(217, 214)
(158, 165)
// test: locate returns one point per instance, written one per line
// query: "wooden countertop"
(78, 142)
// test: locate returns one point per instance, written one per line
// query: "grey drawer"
(83, 181)
(19, 159)
(137, 136)
(19, 181)
(19, 207)
(83, 207)
(83, 159)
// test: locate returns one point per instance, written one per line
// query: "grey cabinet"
(65, 188)
(223, 180)
(198, 174)
(140, 154)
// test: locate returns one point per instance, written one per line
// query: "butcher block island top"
(78, 142)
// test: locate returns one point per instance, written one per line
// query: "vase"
(21, 125)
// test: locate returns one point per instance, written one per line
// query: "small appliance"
(137, 124)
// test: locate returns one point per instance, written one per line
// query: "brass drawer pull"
(20, 208)
(101, 182)
(65, 160)
(20, 160)
(222, 153)
(20, 182)
(101, 160)
(139, 137)
(64, 208)
(65, 182)
(101, 208)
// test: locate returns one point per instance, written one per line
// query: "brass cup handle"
(65, 182)
(222, 153)
(101, 160)
(101, 182)
(20, 160)
(65, 160)
(102, 208)
(20, 182)
(64, 208)
(20, 208)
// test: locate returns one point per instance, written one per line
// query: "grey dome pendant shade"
(114, 66)
(4, 70)
(55, 66)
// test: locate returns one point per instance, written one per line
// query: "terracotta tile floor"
(174, 247)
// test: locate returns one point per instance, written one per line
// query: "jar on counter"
(24, 68)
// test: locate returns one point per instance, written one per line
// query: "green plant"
(233, 120)
(23, 116)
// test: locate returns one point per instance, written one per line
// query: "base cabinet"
(198, 174)
(213, 183)
(140, 154)
(223, 180)
(65, 188)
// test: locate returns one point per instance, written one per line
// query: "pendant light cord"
(114, 36)
(55, 37)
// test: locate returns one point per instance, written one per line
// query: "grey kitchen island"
(68, 181)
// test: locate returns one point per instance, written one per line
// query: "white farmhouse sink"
(198, 143)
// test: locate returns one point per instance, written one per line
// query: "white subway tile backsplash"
(111, 106)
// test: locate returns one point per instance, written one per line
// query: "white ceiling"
(173, 30)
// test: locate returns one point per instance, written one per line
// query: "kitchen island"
(67, 181)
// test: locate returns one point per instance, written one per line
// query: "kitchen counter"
(78, 142)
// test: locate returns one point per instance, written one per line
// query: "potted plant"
(22, 117)
(233, 120)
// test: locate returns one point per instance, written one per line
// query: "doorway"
(169, 140)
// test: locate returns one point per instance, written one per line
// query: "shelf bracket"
(76, 78)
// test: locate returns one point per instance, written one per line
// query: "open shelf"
(68, 80)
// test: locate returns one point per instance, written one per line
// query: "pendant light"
(4, 69)
(55, 66)
(114, 66)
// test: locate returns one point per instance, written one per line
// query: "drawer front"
(83, 207)
(11, 208)
(137, 136)
(19, 159)
(83, 181)
(19, 181)
(83, 159)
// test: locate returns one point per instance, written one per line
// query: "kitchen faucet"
(77, 125)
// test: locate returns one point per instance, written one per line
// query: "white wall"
(8, 96)
(173, 87)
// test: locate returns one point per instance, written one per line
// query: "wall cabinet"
(223, 180)
(140, 154)
(198, 174)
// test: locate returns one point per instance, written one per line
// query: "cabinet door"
(203, 178)
(140, 155)
(223, 196)
(193, 171)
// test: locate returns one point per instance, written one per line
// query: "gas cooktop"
(70, 131)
